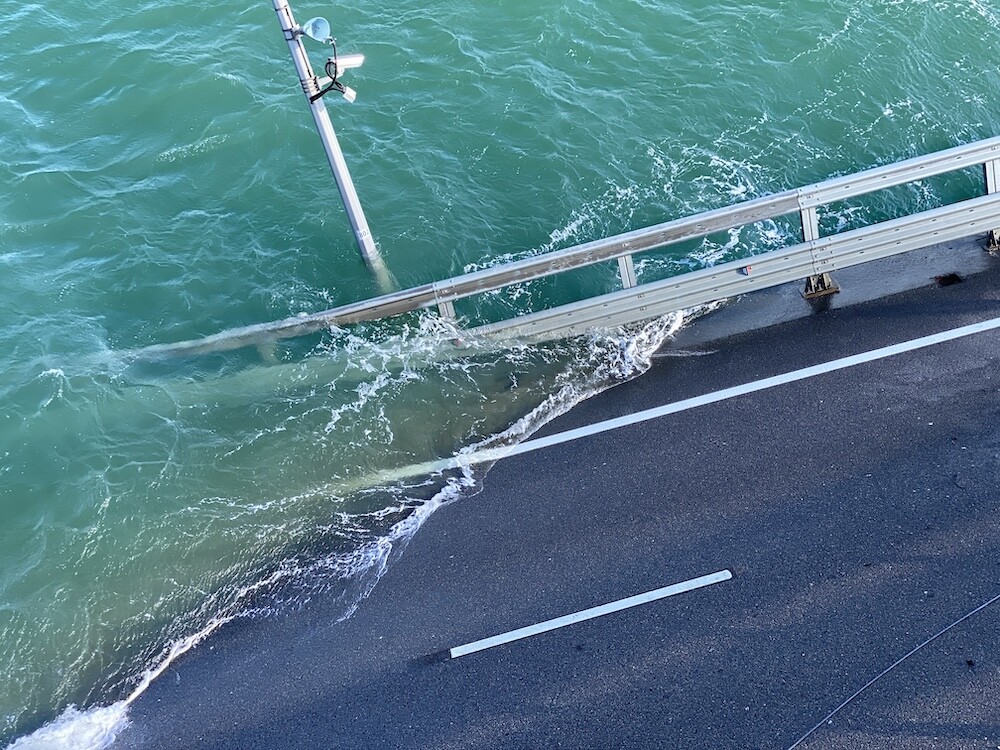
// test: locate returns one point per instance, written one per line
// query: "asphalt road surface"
(856, 510)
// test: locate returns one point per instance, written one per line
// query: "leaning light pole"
(315, 88)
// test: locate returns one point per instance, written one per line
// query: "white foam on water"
(607, 359)
(96, 728)
(59, 378)
(190, 149)
(370, 563)
(93, 729)
(616, 359)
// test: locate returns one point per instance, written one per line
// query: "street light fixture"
(317, 29)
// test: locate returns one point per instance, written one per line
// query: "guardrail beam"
(815, 257)
(791, 264)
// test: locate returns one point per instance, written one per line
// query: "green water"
(161, 180)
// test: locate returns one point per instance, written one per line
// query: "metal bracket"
(993, 242)
(820, 285)
(310, 87)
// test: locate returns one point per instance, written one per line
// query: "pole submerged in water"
(311, 87)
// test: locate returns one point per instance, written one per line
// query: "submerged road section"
(835, 539)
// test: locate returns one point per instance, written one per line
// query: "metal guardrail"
(738, 277)
(814, 255)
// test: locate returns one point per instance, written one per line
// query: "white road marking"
(494, 454)
(590, 614)
(490, 455)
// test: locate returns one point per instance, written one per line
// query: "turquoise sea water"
(161, 180)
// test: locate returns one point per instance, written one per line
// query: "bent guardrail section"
(814, 255)
(777, 267)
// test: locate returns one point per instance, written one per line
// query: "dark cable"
(331, 71)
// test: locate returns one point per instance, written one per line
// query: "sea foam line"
(97, 728)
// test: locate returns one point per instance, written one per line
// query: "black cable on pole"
(331, 72)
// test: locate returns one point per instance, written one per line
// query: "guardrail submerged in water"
(810, 259)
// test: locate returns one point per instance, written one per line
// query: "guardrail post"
(810, 224)
(447, 310)
(820, 284)
(992, 169)
(626, 269)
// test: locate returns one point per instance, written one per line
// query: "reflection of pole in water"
(315, 88)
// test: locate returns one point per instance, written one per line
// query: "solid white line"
(590, 614)
(495, 454)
